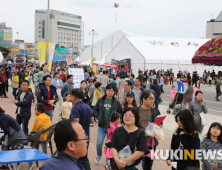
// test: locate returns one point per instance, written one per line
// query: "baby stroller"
(176, 105)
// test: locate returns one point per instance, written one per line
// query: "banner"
(68, 61)
(42, 52)
(7, 35)
(78, 76)
(95, 70)
(62, 50)
(51, 53)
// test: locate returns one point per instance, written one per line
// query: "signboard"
(5, 28)
(78, 76)
(7, 35)
(62, 50)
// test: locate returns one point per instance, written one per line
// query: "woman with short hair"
(130, 135)
(196, 107)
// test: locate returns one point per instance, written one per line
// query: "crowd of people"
(123, 106)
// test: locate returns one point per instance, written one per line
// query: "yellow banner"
(42, 52)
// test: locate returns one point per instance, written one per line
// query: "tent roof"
(156, 49)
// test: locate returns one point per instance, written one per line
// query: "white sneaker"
(97, 159)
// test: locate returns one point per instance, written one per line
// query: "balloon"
(116, 5)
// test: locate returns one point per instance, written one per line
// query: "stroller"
(176, 105)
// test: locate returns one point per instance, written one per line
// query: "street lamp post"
(93, 33)
(47, 35)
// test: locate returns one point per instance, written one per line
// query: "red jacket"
(4, 78)
(63, 77)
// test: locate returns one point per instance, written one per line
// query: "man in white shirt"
(161, 83)
(104, 80)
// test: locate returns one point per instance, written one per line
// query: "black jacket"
(188, 142)
(155, 113)
(21, 76)
(99, 109)
(25, 104)
(156, 88)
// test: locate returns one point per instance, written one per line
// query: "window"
(77, 44)
(64, 37)
(58, 36)
(67, 33)
(58, 32)
(39, 31)
(72, 38)
(39, 22)
(61, 33)
(43, 29)
(61, 37)
(58, 41)
(61, 42)
(39, 27)
(68, 24)
(39, 35)
(217, 33)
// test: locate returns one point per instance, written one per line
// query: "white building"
(214, 27)
(64, 29)
(148, 52)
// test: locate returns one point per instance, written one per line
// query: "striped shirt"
(207, 144)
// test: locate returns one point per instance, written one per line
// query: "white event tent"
(149, 52)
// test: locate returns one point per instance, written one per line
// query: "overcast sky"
(165, 18)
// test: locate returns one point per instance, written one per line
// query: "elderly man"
(71, 143)
(121, 95)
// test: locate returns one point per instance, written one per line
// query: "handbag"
(151, 154)
(204, 118)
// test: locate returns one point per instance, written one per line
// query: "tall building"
(5, 35)
(66, 30)
(214, 27)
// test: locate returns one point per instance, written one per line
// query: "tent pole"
(101, 50)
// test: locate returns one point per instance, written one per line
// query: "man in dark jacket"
(24, 103)
(21, 76)
(194, 79)
(147, 113)
(47, 95)
(104, 107)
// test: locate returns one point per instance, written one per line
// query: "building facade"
(66, 30)
(5, 35)
(214, 27)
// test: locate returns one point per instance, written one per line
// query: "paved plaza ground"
(168, 128)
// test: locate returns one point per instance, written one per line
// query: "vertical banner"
(41, 52)
(95, 70)
(51, 53)
(78, 76)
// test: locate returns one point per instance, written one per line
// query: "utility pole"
(93, 33)
(47, 35)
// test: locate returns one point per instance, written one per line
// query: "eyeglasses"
(128, 116)
(151, 99)
(76, 140)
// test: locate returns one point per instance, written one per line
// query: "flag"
(41, 52)
(51, 53)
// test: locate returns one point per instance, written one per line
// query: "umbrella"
(95, 64)
(79, 63)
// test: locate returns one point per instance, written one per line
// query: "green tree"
(62, 47)
(5, 51)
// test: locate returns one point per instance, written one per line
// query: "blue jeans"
(14, 92)
(100, 139)
(49, 113)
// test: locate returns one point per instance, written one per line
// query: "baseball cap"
(27, 71)
(130, 93)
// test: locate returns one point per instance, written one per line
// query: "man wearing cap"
(29, 79)
(121, 95)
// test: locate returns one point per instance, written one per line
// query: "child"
(113, 124)
(212, 141)
(173, 92)
(41, 121)
(66, 107)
